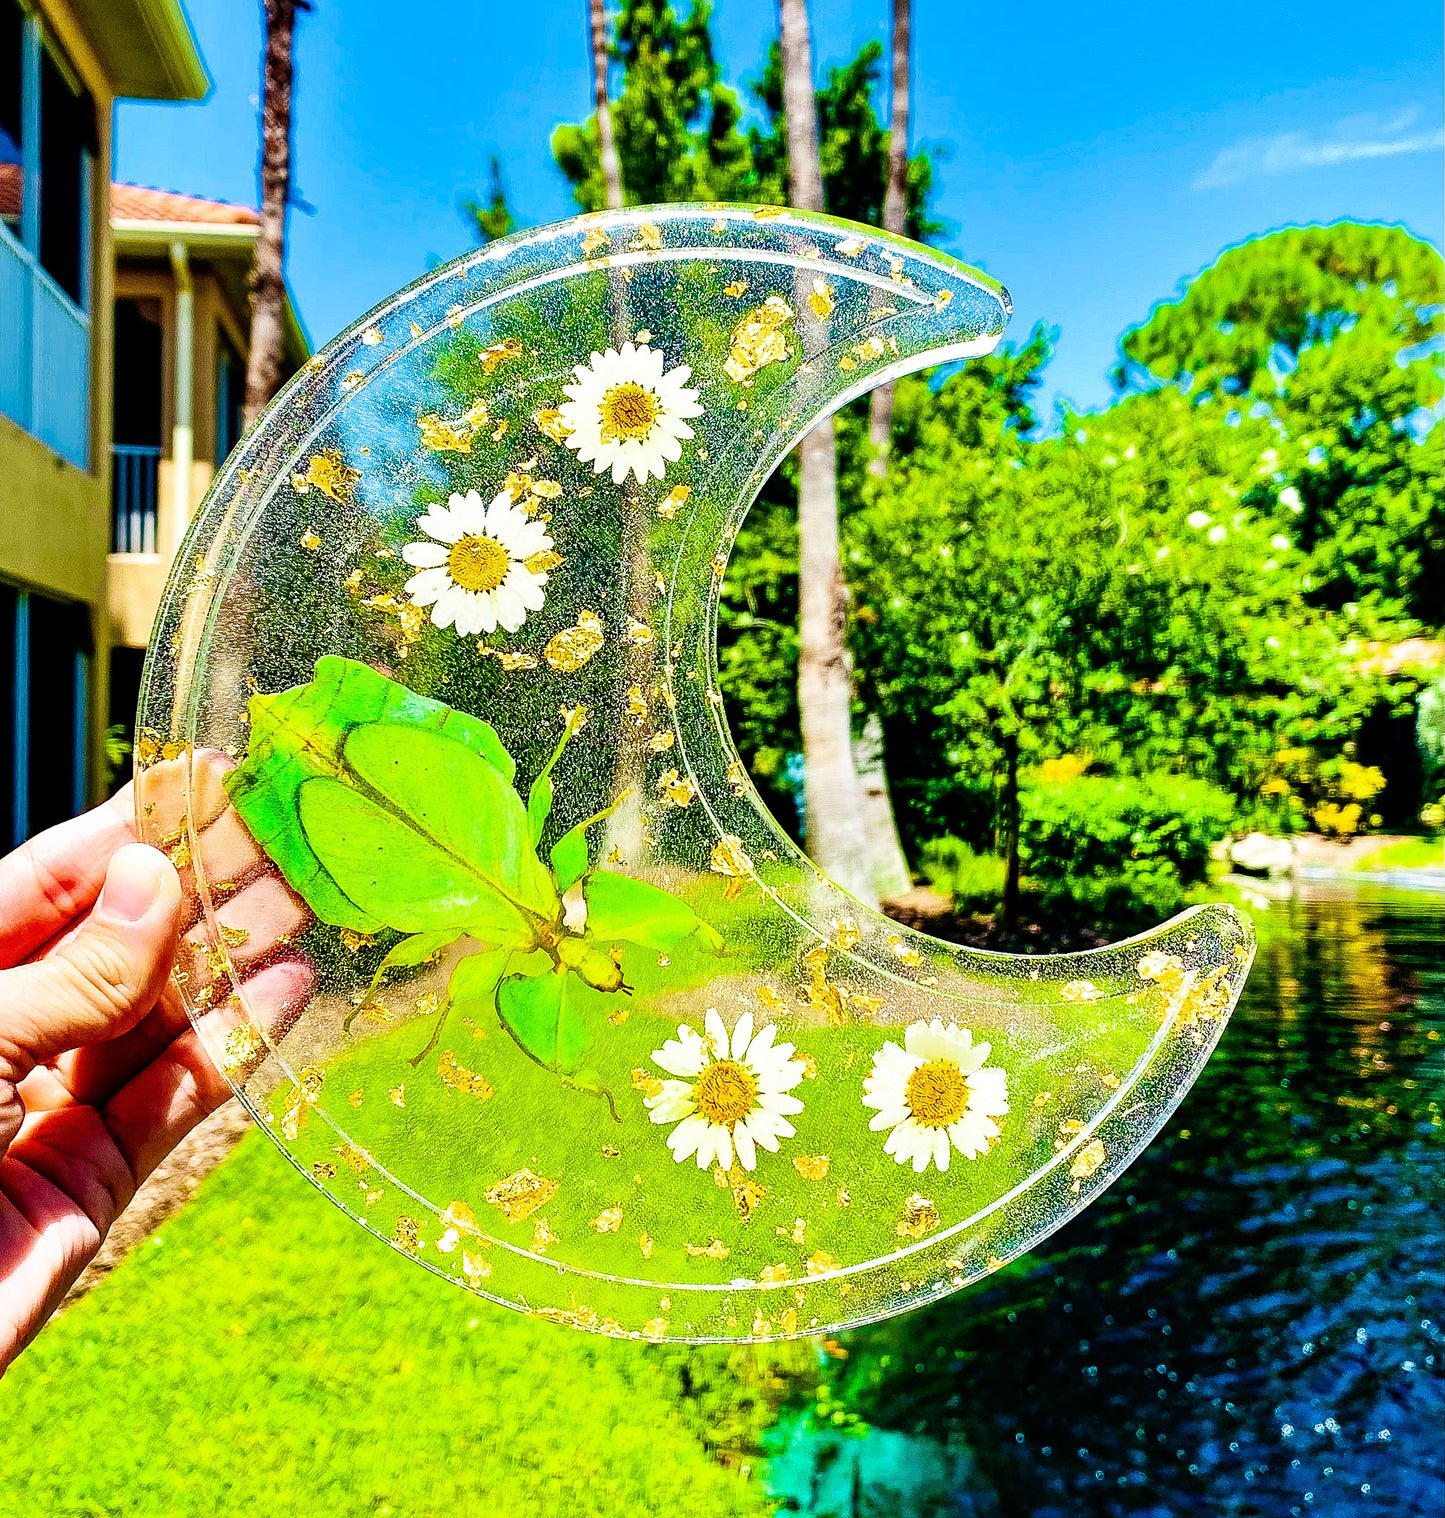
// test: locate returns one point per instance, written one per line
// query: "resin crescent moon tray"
(495, 938)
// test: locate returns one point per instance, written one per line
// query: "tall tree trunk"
(268, 279)
(836, 839)
(895, 218)
(1009, 828)
(606, 144)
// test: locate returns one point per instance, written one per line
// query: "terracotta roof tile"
(130, 202)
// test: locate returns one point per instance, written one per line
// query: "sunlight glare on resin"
(591, 1037)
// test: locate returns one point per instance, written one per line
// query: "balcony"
(44, 356)
(134, 498)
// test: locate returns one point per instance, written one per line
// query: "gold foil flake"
(772, 1275)
(904, 952)
(358, 1159)
(1110, 1080)
(920, 1218)
(1080, 990)
(371, 336)
(639, 633)
(942, 299)
(573, 647)
(620, 1016)
(244, 1049)
(810, 1066)
(716, 1250)
(352, 379)
(398, 1095)
(762, 1326)
(767, 213)
(648, 239)
(547, 490)
(812, 1167)
(310, 540)
(498, 353)
(719, 564)
(676, 788)
(609, 1220)
(845, 933)
(511, 660)
(1087, 1161)
(371, 1198)
(673, 502)
(324, 1170)
(574, 719)
(655, 1330)
(737, 777)
(730, 860)
(351, 940)
(788, 1320)
(645, 1245)
(552, 424)
(758, 340)
(867, 351)
(357, 1097)
(769, 999)
(459, 1078)
(636, 703)
(1071, 1126)
(475, 1268)
(327, 473)
(594, 242)
(542, 1237)
(659, 743)
(646, 1083)
(520, 1194)
(408, 1234)
(797, 1233)
(845, 1197)
(1166, 969)
(304, 1095)
(821, 300)
(850, 247)
(443, 436)
(737, 289)
(747, 1193)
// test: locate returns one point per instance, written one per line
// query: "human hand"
(101, 1072)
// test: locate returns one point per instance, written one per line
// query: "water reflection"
(1248, 1323)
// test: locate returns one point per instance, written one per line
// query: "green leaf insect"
(387, 810)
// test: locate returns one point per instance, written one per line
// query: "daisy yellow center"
(478, 562)
(628, 412)
(937, 1094)
(725, 1092)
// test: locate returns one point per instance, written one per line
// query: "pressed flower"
(627, 415)
(731, 1095)
(474, 566)
(937, 1093)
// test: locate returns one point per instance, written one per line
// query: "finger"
(257, 923)
(180, 793)
(102, 981)
(152, 1113)
(46, 883)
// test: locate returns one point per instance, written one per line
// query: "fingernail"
(131, 883)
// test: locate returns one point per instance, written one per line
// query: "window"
(67, 151)
(12, 115)
(230, 399)
(45, 662)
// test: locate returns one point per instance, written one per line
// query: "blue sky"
(1097, 154)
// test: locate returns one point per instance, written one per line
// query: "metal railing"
(134, 495)
(44, 355)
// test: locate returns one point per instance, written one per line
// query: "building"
(182, 329)
(124, 316)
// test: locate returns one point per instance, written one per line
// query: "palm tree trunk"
(895, 217)
(833, 819)
(606, 144)
(268, 279)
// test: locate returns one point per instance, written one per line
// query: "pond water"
(1249, 1322)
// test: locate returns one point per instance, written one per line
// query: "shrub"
(1123, 847)
(973, 882)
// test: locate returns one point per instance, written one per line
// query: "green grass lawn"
(1405, 854)
(262, 1354)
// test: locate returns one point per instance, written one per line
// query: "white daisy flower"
(936, 1095)
(477, 575)
(626, 414)
(733, 1095)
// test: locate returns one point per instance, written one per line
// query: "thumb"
(107, 975)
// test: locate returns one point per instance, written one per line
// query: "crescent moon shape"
(598, 1041)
